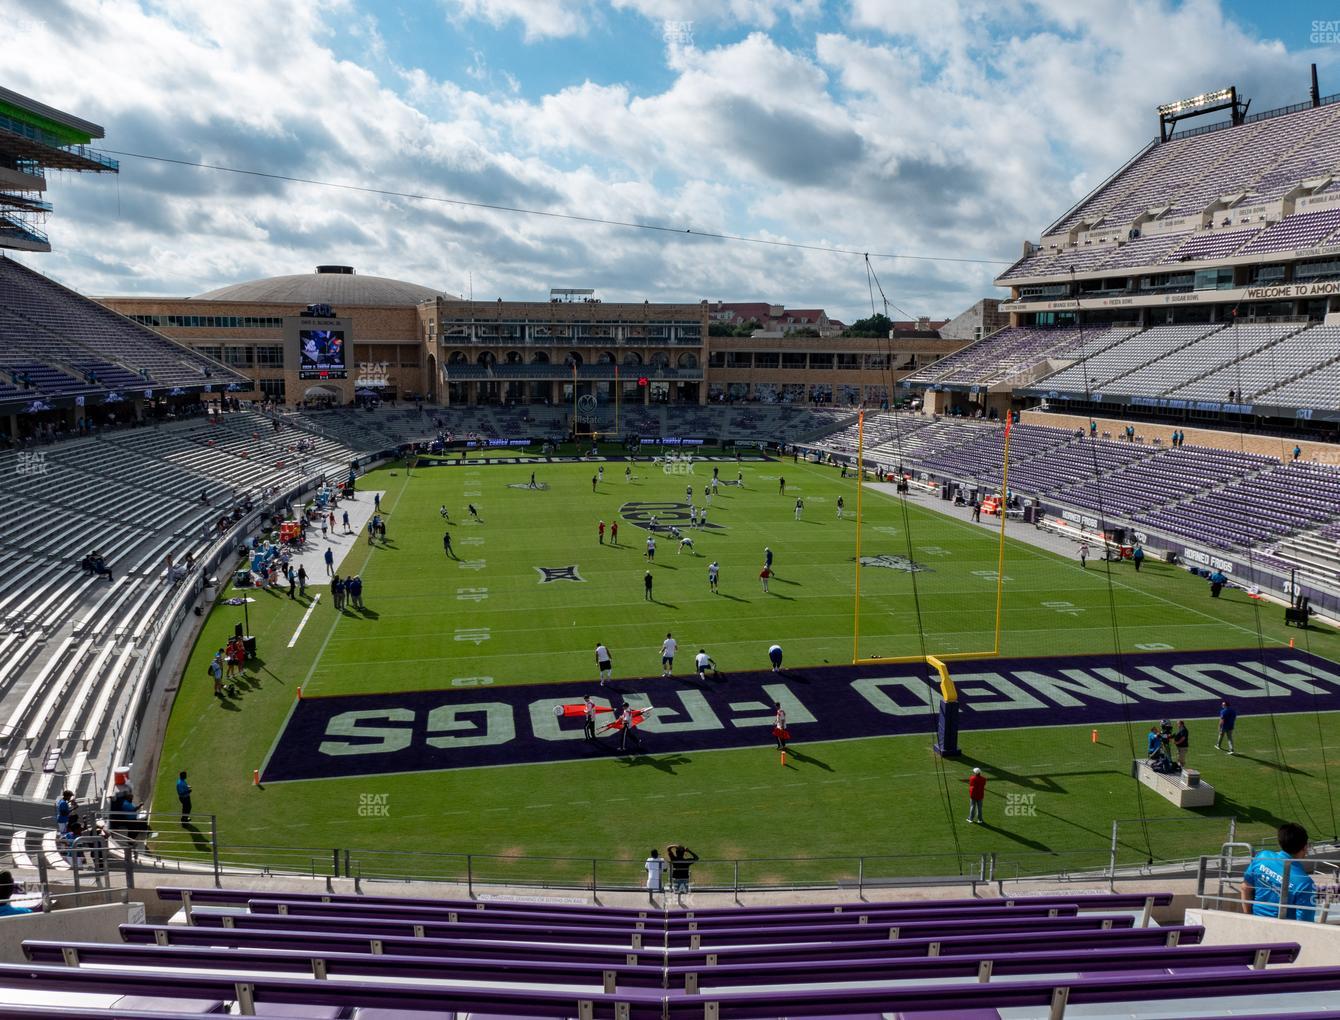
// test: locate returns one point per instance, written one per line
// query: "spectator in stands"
(681, 860)
(1297, 451)
(1263, 881)
(1130, 433)
(8, 909)
(65, 807)
(123, 814)
(976, 795)
(655, 869)
(95, 563)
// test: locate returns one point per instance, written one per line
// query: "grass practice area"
(489, 618)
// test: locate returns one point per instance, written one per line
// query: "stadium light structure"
(1196, 106)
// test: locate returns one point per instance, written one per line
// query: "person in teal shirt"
(8, 909)
(1264, 879)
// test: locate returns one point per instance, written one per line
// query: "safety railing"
(123, 850)
(1220, 884)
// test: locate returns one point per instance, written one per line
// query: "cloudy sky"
(915, 127)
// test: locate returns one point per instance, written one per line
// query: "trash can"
(249, 643)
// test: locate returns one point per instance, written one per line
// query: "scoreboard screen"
(320, 347)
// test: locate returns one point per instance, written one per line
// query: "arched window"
(540, 358)
(486, 358)
(458, 358)
(688, 360)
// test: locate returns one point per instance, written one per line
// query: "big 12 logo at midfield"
(641, 515)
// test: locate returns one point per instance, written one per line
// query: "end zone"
(421, 731)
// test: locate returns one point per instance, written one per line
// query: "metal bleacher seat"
(382, 956)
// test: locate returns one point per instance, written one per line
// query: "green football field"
(436, 623)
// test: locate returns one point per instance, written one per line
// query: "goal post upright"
(856, 604)
(1000, 556)
(991, 653)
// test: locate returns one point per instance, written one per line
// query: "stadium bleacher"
(378, 957)
(1263, 157)
(85, 348)
(1219, 498)
(72, 639)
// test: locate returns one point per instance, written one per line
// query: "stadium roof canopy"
(337, 286)
(35, 138)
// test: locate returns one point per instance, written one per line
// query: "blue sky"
(938, 128)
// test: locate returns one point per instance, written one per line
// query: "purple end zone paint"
(420, 731)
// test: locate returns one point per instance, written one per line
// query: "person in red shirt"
(976, 794)
(602, 532)
(614, 532)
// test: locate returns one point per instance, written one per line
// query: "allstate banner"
(489, 725)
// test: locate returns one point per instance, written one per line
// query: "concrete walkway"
(1042, 538)
(313, 554)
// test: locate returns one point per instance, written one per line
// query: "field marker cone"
(1093, 737)
(783, 757)
(255, 777)
(1290, 642)
(299, 693)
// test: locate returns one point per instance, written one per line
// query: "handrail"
(1224, 867)
(132, 852)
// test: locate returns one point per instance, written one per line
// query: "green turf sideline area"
(489, 619)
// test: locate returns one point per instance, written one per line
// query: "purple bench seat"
(892, 915)
(319, 940)
(1110, 901)
(268, 991)
(722, 975)
(961, 999)
(634, 939)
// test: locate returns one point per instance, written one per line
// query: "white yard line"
(303, 622)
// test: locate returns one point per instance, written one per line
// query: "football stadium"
(372, 651)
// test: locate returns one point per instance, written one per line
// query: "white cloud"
(540, 19)
(958, 130)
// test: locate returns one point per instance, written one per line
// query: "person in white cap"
(976, 794)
